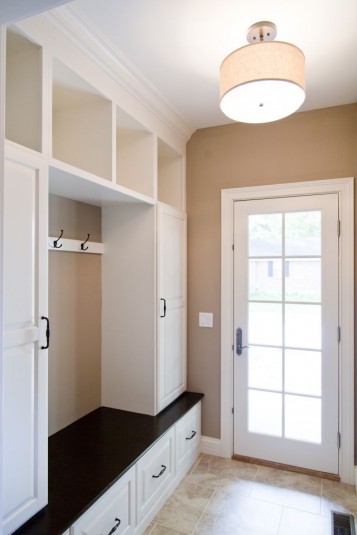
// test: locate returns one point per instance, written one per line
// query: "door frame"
(345, 190)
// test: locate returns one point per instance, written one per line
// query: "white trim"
(211, 446)
(344, 187)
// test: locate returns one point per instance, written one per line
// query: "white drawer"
(188, 434)
(155, 471)
(115, 509)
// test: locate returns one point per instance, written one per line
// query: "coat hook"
(83, 244)
(55, 242)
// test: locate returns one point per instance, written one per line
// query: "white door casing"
(344, 188)
(24, 390)
(285, 290)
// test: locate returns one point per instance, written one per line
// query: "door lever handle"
(239, 341)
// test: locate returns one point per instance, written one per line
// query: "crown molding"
(85, 35)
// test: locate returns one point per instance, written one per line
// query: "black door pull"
(47, 332)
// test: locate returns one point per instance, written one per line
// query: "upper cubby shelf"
(170, 175)
(134, 154)
(79, 185)
(101, 144)
(23, 90)
(81, 123)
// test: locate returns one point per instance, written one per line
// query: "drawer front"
(113, 513)
(188, 434)
(155, 471)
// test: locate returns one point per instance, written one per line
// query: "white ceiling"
(179, 45)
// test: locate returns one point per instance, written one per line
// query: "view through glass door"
(286, 312)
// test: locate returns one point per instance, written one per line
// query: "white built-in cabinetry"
(133, 501)
(24, 389)
(72, 130)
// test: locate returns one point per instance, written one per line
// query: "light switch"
(205, 319)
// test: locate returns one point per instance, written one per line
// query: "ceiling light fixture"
(263, 81)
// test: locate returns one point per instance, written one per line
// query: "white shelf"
(81, 123)
(68, 181)
(170, 182)
(134, 154)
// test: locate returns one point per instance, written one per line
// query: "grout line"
(203, 512)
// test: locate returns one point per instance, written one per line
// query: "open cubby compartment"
(170, 176)
(81, 123)
(23, 123)
(134, 155)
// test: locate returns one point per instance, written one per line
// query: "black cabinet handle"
(164, 314)
(161, 471)
(47, 332)
(114, 528)
(191, 437)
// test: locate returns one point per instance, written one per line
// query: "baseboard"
(211, 446)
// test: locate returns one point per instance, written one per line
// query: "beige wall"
(75, 312)
(313, 145)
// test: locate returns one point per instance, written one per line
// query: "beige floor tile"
(288, 489)
(295, 522)
(229, 513)
(290, 480)
(184, 507)
(216, 472)
(163, 530)
(338, 497)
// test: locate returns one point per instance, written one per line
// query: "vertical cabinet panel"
(24, 451)
(172, 310)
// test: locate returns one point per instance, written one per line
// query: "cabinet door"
(113, 512)
(24, 388)
(172, 305)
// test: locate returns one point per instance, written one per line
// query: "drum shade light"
(263, 81)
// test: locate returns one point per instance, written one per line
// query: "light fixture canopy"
(263, 81)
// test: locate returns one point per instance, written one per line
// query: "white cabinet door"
(172, 305)
(113, 512)
(24, 388)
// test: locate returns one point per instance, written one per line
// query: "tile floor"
(223, 497)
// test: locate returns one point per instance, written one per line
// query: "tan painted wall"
(313, 145)
(75, 314)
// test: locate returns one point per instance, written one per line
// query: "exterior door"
(24, 389)
(286, 331)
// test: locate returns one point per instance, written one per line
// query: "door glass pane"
(265, 279)
(265, 368)
(303, 326)
(265, 413)
(303, 418)
(303, 372)
(303, 279)
(303, 233)
(265, 324)
(265, 235)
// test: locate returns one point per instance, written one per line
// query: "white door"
(24, 389)
(172, 304)
(286, 311)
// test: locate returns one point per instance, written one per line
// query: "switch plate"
(205, 319)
